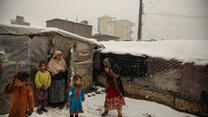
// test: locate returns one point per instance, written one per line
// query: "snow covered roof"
(27, 30)
(187, 51)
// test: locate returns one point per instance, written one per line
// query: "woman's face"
(58, 57)
(78, 81)
(107, 70)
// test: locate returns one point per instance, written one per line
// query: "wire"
(175, 15)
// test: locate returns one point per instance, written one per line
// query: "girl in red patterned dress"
(114, 90)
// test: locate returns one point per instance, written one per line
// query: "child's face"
(43, 67)
(107, 70)
(19, 83)
(78, 81)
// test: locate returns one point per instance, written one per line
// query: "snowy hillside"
(93, 107)
(183, 50)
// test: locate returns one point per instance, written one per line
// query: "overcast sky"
(164, 19)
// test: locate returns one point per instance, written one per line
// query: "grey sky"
(163, 19)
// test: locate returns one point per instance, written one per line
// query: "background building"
(100, 37)
(82, 29)
(20, 21)
(120, 28)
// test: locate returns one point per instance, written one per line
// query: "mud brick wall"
(137, 91)
(194, 79)
(181, 86)
(156, 65)
(77, 28)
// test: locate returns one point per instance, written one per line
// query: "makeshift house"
(21, 49)
(172, 72)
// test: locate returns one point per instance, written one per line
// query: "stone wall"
(138, 91)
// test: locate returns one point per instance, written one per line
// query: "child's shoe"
(61, 106)
(39, 111)
(120, 115)
(44, 110)
(104, 113)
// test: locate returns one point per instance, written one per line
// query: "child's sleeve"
(37, 80)
(82, 94)
(70, 94)
(9, 88)
(49, 80)
(30, 100)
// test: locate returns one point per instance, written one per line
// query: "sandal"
(104, 113)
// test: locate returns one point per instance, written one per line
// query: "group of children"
(23, 102)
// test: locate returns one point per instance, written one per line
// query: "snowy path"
(93, 107)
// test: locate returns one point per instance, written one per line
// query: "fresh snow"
(93, 107)
(195, 51)
(31, 30)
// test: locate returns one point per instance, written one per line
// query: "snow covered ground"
(93, 107)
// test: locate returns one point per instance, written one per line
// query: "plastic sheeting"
(23, 47)
(84, 62)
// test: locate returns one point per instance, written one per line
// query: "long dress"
(76, 95)
(57, 91)
(114, 98)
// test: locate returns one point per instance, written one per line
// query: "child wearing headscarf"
(76, 96)
(114, 90)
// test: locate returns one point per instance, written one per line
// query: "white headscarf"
(54, 65)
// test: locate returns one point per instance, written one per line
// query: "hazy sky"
(167, 19)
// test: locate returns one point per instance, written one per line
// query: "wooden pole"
(139, 35)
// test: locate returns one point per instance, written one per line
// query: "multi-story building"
(82, 29)
(20, 21)
(120, 28)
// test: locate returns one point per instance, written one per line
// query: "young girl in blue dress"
(76, 96)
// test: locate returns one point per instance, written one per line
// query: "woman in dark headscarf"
(114, 90)
(57, 91)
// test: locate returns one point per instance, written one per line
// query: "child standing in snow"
(42, 82)
(22, 102)
(114, 90)
(76, 96)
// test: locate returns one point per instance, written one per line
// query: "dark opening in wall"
(204, 97)
(131, 66)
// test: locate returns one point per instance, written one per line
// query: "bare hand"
(12, 83)
(68, 103)
(45, 87)
(62, 70)
(53, 74)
